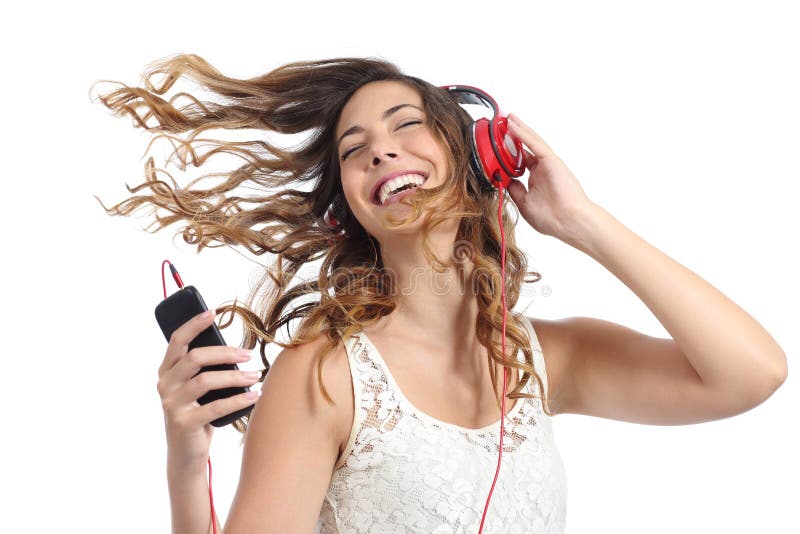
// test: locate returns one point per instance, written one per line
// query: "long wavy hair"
(352, 288)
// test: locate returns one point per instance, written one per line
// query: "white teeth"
(397, 182)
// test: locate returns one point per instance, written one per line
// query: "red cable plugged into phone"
(179, 282)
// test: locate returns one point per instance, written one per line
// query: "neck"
(439, 309)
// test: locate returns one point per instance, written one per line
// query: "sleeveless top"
(403, 471)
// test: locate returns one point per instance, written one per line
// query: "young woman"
(407, 316)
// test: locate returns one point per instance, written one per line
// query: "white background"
(680, 118)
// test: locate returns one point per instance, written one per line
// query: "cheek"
(350, 186)
(435, 154)
(352, 195)
(349, 198)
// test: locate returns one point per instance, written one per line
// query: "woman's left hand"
(554, 197)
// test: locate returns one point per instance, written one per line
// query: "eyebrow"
(358, 129)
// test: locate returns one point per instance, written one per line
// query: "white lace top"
(403, 471)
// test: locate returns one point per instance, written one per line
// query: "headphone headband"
(467, 94)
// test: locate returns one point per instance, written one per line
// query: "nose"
(383, 148)
(378, 157)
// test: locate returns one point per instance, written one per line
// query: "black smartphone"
(174, 311)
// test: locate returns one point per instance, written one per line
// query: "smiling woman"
(392, 152)
(406, 316)
(413, 158)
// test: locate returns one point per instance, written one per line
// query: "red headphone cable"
(503, 341)
(177, 278)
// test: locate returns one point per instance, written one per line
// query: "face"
(381, 131)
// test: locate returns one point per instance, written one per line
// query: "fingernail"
(207, 314)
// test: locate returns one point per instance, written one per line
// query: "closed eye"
(344, 156)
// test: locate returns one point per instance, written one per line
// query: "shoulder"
(291, 445)
(558, 348)
(335, 375)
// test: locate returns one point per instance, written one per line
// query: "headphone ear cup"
(496, 157)
(507, 148)
(475, 162)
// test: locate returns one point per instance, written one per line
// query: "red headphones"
(495, 156)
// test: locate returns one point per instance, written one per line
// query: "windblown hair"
(352, 289)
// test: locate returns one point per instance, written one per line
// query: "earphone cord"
(177, 278)
(503, 341)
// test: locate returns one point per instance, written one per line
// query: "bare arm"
(186, 422)
(291, 444)
(189, 500)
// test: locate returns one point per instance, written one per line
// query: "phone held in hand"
(174, 311)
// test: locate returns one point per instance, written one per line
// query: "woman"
(407, 319)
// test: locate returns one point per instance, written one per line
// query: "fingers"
(179, 388)
(194, 360)
(530, 160)
(181, 337)
(188, 365)
(198, 386)
(200, 416)
(526, 134)
(517, 192)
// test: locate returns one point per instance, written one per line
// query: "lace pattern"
(405, 471)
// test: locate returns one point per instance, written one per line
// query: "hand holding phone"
(220, 393)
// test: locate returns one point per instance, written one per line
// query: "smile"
(391, 191)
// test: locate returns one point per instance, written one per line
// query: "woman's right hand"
(187, 422)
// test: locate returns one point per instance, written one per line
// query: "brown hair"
(286, 219)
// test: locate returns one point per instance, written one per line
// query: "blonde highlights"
(295, 186)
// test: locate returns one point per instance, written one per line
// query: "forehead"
(372, 99)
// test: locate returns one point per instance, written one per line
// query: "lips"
(387, 177)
